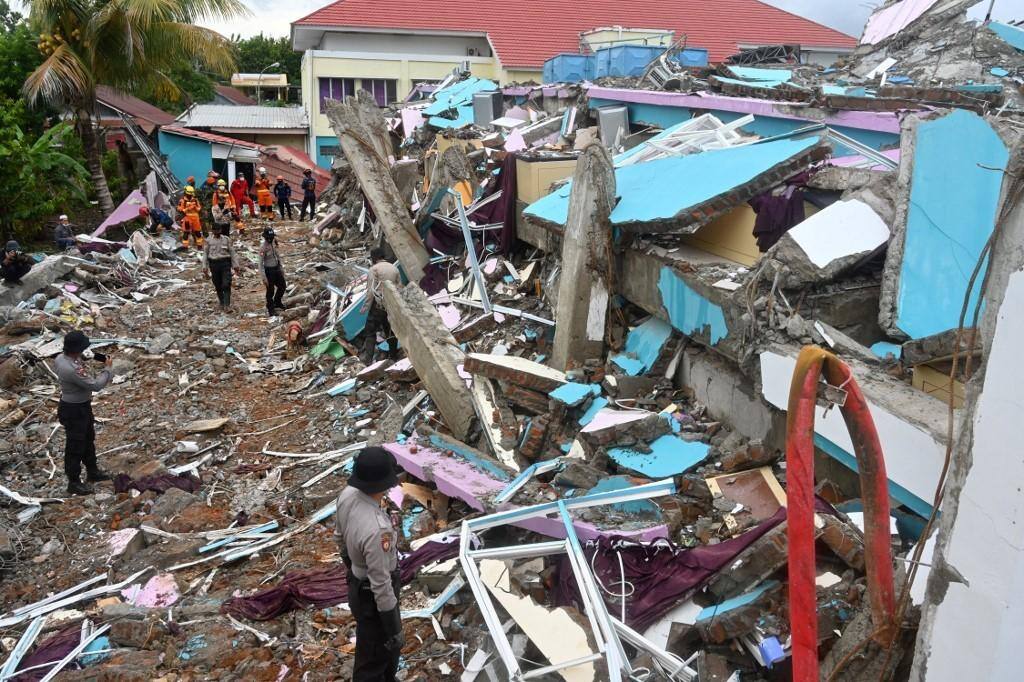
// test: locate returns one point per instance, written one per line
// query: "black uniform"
(308, 197)
(283, 192)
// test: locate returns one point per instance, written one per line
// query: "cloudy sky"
(273, 17)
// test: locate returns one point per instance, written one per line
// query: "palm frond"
(178, 41)
(60, 80)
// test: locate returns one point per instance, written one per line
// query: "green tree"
(130, 45)
(194, 87)
(39, 178)
(258, 52)
(20, 57)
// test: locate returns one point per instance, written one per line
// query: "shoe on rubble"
(97, 476)
(79, 488)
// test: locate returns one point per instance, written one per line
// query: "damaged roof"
(513, 28)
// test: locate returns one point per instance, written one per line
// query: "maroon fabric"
(662, 575)
(502, 210)
(49, 651)
(158, 483)
(320, 587)
(776, 215)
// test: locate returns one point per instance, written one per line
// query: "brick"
(845, 541)
(475, 328)
(536, 438)
(531, 401)
(515, 370)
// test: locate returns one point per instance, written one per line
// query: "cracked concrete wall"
(731, 397)
(971, 627)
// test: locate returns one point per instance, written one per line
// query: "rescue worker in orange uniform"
(189, 210)
(264, 195)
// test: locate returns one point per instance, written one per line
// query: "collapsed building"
(621, 461)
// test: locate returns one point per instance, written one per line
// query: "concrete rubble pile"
(598, 330)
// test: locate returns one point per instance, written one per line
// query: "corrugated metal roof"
(211, 137)
(132, 106)
(524, 34)
(248, 117)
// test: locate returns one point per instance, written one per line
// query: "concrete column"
(359, 126)
(433, 352)
(583, 286)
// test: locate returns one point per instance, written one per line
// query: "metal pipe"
(518, 551)
(478, 276)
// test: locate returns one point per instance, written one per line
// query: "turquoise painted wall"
(766, 126)
(186, 156)
(954, 199)
(323, 160)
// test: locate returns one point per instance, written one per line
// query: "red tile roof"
(133, 106)
(234, 95)
(211, 137)
(525, 33)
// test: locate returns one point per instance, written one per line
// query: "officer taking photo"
(74, 412)
(368, 544)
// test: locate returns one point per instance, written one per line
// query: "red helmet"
(143, 211)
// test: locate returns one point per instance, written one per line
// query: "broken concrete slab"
(584, 286)
(953, 198)
(610, 426)
(575, 394)
(737, 616)
(830, 242)
(515, 370)
(668, 456)
(938, 347)
(460, 477)
(357, 123)
(433, 353)
(652, 200)
(41, 275)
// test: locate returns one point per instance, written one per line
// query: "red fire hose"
(803, 396)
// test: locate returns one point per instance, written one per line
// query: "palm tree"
(126, 44)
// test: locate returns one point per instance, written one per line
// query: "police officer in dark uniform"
(368, 543)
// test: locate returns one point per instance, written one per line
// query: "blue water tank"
(693, 56)
(625, 60)
(569, 68)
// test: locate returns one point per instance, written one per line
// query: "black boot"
(79, 488)
(96, 476)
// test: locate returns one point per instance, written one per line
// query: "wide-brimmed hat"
(374, 471)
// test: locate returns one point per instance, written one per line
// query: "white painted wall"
(845, 228)
(978, 628)
(405, 43)
(913, 455)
